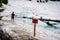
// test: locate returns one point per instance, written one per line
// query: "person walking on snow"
(12, 17)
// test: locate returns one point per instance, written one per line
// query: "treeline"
(55, 0)
(3, 1)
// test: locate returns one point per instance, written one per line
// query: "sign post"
(35, 21)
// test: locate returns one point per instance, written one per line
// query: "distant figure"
(12, 17)
(41, 17)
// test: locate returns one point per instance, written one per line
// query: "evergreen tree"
(5, 1)
(30, 0)
(0, 3)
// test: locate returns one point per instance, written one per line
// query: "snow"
(42, 33)
(50, 10)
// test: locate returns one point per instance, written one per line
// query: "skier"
(12, 17)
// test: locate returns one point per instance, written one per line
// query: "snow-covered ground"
(50, 10)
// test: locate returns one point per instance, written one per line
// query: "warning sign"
(34, 20)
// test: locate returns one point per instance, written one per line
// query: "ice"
(50, 10)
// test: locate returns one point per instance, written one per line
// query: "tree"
(5, 1)
(1, 9)
(30, 0)
(55, 0)
(0, 3)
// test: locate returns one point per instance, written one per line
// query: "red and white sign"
(34, 20)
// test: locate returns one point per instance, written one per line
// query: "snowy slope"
(42, 33)
(46, 10)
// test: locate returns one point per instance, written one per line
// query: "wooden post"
(34, 30)
(35, 21)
